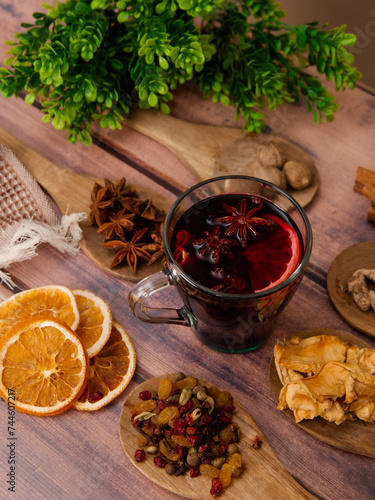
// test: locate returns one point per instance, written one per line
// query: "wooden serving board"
(263, 475)
(355, 436)
(209, 151)
(72, 193)
(360, 256)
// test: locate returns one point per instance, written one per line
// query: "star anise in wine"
(213, 245)
(118, 222)
(129, 250)
(229, 283)
(243, 220)
(101, 204)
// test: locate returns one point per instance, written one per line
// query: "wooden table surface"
(79, 455)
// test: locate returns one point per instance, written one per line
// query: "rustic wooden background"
(78, 455)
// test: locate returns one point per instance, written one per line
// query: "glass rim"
(240, 296)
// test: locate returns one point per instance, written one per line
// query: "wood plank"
(80, 456)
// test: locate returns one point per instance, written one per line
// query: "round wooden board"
(354, 436)
(92, 242)
(355, 257)
(241, 158)
(263, 475)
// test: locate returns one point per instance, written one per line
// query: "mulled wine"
(236, 243)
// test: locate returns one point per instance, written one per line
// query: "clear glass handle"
(147, 287)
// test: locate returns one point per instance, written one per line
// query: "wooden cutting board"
(357, 436)
(263, 476)
(359, 256)
(209, 151)
(72, 193)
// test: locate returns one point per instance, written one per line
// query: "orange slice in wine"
(275, 256)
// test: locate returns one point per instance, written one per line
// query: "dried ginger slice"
(357, 286)
(308, 355)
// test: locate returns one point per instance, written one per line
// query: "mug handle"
(147, 287)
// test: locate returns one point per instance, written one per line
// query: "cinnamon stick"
(369, 191)
(371, 213)
(363, 176)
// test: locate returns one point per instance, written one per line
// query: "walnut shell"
(270, 155)
(270, 174)
(297, 174)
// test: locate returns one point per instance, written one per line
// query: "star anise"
(130, 250)
(148, 211)
(101, 204)
(243, 221)
(213, 245)
(229, 283)
(119, 188)
(117, 223)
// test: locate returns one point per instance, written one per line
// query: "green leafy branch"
(93, 60)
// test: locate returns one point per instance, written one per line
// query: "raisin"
(181, 440)
(169, 413)
(165, 388)
(225, 475)
(209, 471)
(167, 450)
(235, 460)
(187, 382)
(147, 405)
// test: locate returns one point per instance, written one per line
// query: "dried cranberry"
(223, 446)
(179, 427)
(193, 440)
(257, 442)
(160, 462)
(137, 423)
(205, 420)
(189, 419)
(203, 448)
(187, 407)
(139, 455)
(168, 432)
(180, 450)
(171, 402)
(225, 420)
(194, 471)
(95, 396)
(229, 409)
(206, 460)
(191, 431)
(144, 395)
(216, 487)
(161, 405)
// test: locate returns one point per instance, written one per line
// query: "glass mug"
(227, 322)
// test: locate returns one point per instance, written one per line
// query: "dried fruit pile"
(60, 348)
(323, 376)
(188, 428)
(132, 227)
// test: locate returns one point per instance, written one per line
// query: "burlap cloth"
(27, 217)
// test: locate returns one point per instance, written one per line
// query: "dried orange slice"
(44, 364)
(110, 371)
(95, 321)
(53, 301)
